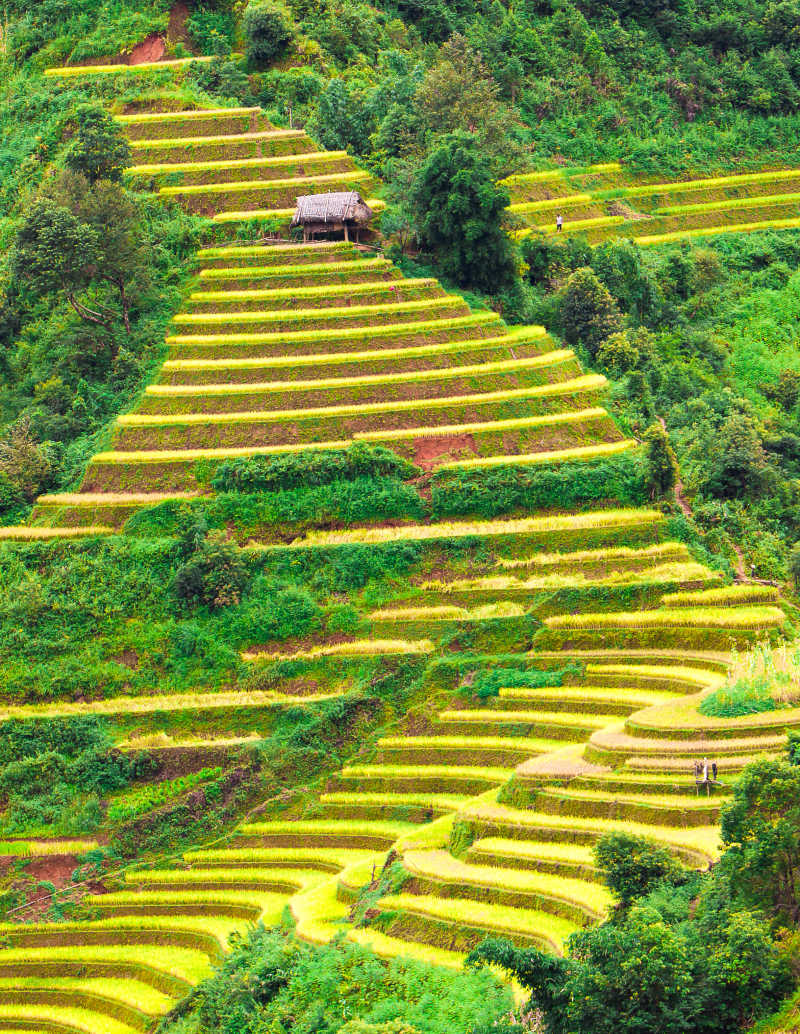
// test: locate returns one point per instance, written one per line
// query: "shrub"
(12, 502)
(618, 354)
(211, 29)
(267, 32)
(565, 486)
(489, 682)
(632, 865)
(745, 697)
(24, 464)
(310, 467)
(214, 574)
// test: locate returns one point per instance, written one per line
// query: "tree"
(79, 236)
(588, 313)
(632, 865)
(24, 464)
(267, 32)
(662, 464)
(56, 251)
(794, 564)
(458, 93)
(97, 147)
(458, 210)
(761, 829)
(739, 464)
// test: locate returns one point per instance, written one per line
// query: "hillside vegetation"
(393, 635)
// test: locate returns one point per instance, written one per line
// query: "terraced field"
(289, 346)
(566, 652)
(603, 201)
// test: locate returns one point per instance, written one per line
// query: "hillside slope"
(559, 655)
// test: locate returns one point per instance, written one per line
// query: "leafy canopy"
(458, 212)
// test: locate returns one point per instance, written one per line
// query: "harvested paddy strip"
(577, 453)
(680, 719)
(142, 68)
(278, 254)
(222, 147)
(460, 924)
(254, 196)
(268, 167)
(136, 995)
(44, 848)
(364, 834)
(219, 880)
(282, 345)
(547, 391)
(164, 966)
(471, 750)
(536, 366)
(594, 562)
(304, 275)
(579, 698)
(29, 1016)
(440, 873)
(535, 724)
(548, 437)
(272, 214)
(329, 318)
(415, 807)
(25, 532)
(519, 528)
(613, 746)
(272, 300)
(320, 859)
(570, 860)
(440, 355)
(685, 811)
(697, 845)
(236, 706)
(198, 933)
(448, 779)
(676, 678)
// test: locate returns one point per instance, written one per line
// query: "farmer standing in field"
(559, 223)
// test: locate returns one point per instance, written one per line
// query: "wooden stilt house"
(339, 212)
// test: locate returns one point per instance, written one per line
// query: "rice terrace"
(400, 517)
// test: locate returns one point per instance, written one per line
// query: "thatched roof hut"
(325, 213)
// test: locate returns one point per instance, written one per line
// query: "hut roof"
(336, 207)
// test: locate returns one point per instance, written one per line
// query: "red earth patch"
(153, 48)
(427, 451)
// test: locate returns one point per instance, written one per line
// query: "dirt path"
(740, 571)
(680, 497)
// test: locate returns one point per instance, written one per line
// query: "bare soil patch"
(427, 451)
(152, 48)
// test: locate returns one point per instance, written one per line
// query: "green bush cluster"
(566, 486)
(53, 773)
(271, 981)
(310, 468)
(748, 696)
(136, 802)
(488, 682)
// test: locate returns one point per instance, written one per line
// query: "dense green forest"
(442, 103)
